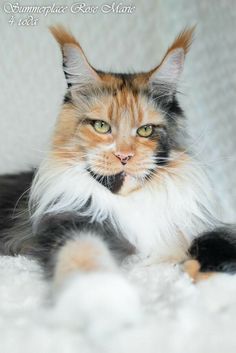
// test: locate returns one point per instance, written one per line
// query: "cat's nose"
(124, 157)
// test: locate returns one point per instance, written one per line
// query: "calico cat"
(118, 180)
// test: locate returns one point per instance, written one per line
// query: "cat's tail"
(215, 250)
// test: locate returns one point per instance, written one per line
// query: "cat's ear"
(166, 75)
(78, 72)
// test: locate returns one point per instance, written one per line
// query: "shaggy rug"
(177, 315)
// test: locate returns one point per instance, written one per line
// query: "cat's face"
(121, 127)
(115, 132)
(121, 133)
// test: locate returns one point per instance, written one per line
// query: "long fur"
(161, 218)
(164, 201)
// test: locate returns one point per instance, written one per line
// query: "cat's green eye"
(145, 130)
(101, 127)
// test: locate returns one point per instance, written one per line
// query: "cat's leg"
(90, 292)
(193, 269)
(211, 252)
(82, 252)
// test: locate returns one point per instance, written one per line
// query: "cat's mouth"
(114, 182)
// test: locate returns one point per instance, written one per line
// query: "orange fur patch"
(81, 255)
(66, 126)
(193, 269)
(63, 36)
(183, 40)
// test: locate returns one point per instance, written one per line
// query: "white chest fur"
(161, 218)
(161, 221)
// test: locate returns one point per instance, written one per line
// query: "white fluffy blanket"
(177, 315)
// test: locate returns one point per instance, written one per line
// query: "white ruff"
(158, 220)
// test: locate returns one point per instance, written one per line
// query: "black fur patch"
(67, 226)
(67, 98)
(67, 75)
(171, 107)
(163, 146)
(216, 250)
(13, 192)
(43, 240)
(111, 182)
(167, 103)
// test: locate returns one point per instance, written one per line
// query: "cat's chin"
(129, 185)
(121, 183)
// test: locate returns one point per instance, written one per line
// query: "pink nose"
(124, 157)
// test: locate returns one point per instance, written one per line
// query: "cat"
(118, 180)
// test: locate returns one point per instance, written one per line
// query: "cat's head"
(121, 127)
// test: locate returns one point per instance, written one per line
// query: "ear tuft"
(63, 36)
(165, 76)
(78, 72)
(183, 40)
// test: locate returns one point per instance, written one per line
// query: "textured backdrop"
(32, 82)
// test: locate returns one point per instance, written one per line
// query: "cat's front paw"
(100, 303)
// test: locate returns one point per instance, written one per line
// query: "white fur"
(158, 220)
(175, 313)
(99, 303)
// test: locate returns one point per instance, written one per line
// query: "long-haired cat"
(118, 180)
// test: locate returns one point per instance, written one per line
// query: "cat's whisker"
(18, 200)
